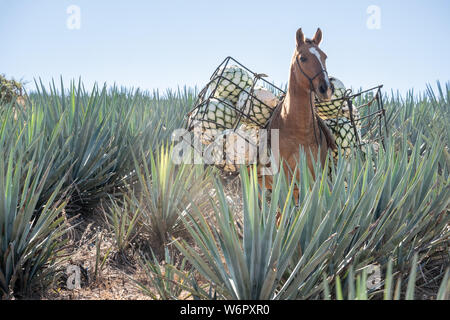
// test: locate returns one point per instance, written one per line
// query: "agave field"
(70, 155)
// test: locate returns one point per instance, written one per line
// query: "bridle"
(311, 97)
(269, 123)
(307, 77)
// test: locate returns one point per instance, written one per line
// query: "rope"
(311, 91)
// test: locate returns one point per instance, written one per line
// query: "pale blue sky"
(161, 44)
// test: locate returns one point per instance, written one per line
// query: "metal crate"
(368, 127)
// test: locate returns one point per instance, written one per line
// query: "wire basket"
(238, 98)
(358, 120)
(233, 96)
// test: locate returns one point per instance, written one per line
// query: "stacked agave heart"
(336, 115)
(233, 104)
(257, 106)
(235, 99)
(231, 148)
(344, 134)
(332, 108)
(230, 82)
(212, 117)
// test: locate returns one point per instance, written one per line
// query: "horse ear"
(300, 37)
(318, 37)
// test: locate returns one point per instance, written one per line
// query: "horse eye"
(303, 59)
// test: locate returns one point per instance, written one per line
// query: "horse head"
(309, 65)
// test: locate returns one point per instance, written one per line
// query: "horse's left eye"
(303, 59)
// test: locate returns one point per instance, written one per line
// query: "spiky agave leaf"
(364, 213)
(29, 233)
(123, 217)
(252, 267)
(168, 277)
(94, 134)
(395, 209)
(363, 293)
(167, 191)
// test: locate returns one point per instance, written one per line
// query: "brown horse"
(295, 117)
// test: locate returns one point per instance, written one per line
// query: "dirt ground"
(115, 276)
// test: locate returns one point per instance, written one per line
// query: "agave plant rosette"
(360, 215)
(93, 134)
(30, 232)
(166, 191)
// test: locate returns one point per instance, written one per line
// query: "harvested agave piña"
(232, 148)
(257, 106)
(332, 109)
(232, 80)
(344, 134)
(212, 117)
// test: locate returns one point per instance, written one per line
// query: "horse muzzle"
(325, 90)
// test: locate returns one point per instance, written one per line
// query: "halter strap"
(307, 77)
(312, 89)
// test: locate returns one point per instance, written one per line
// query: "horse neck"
(296, 113)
